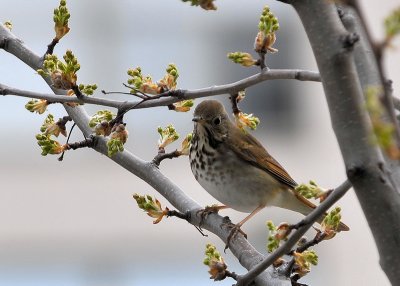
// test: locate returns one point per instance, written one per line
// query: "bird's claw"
(203, 213)
(235, 230)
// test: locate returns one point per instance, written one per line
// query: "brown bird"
(237, 170)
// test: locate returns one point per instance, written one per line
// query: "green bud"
(206, 261)
(311, 256)
(167, 136)
(101, 116)
(268, 22)
(114, 146)
(392, 24)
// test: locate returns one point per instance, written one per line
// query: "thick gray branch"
(368, 71)
(365, 165)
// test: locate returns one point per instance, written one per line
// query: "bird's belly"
(238, 187)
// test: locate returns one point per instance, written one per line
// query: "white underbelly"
(243, 189)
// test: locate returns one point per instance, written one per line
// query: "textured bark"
(365, 165)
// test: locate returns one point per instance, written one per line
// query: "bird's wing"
(249, 149)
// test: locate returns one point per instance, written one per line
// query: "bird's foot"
(235, 230)
(203, 213)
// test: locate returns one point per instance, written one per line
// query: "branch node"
(178, 93)
(162, 156)
(349, 40)
(341, 12)
(354, 171)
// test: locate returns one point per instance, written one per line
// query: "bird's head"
(210, 117)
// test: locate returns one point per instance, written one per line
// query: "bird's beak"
(197, 119)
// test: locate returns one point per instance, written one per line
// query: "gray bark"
(365, 165)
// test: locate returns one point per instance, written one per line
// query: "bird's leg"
(208, 210)
(236, 228)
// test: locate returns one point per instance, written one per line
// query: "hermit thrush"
(236, 169)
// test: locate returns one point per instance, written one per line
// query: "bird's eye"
(217, 120)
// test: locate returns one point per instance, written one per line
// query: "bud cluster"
(63, 75)
(167, 136)
(60, 18)
(182, 106)
(151, 206)
(246, 120)
(267, 27)
(331, 222)
(101, 122)
(142, 83)
(8, 24)
(276, 235)
(263, 43)
(215, 262)
(100, 117)
(118, 137)
(37, 105)
(245, 59)
(169, 81)
(48, 145)
(303, 261)
(185, 146)
(146, 85)
(50, 127)
(87, 89)
(311, 191)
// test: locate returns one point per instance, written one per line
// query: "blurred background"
(75, 222)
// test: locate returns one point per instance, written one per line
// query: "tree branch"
(365, 165)
(377, 49)
(165, 99)
(306, 223)
(247, 255)
(368, 72)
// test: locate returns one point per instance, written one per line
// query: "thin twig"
(162, 156)
(320, 236)
(137, 93)
(234, 102)
(115, 92)
(51, 46)
(306, 223)
(69, 136)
